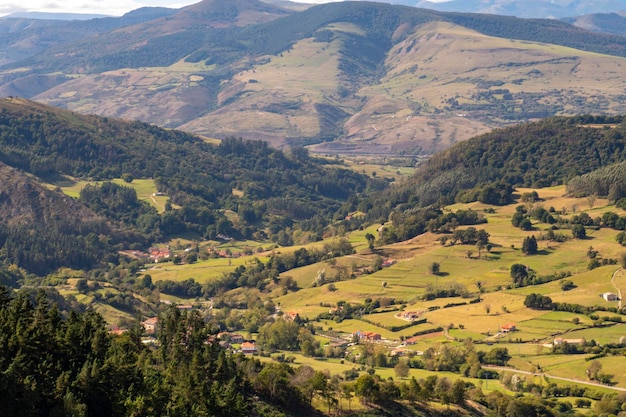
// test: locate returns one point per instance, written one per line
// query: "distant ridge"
(53, 16)
(527, 8)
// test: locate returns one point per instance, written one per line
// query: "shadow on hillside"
(60, 181)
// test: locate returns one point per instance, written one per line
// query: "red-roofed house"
(248, 348)
(290, 315)
(508, 327)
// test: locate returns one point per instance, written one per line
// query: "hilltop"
(347, 77)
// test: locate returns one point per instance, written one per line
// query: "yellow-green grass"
(335, 367)
(590, 285)
(358, 240)
(575, 366)
(567, 317)
(352, 325)
(145, 188)
(602, 335)
(381, 171)
(112, 315)
(475, 319)
(201, 271)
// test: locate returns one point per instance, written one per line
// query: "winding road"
(616, 274)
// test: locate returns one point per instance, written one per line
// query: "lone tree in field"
(370, 240)
(593, 369)
(401, 369)
(578, 231)
(434, 268)
(529, 246)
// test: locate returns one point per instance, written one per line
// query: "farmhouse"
(368, 336)
(248, 348)
(117, 331)
(236, 338)
(290, 315)
(409, 315)
(508, 327)
(150, 324)
(159, 254)
(609, 296)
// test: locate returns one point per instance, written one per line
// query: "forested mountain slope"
(258, 185)
(350, 76)
(488, 167)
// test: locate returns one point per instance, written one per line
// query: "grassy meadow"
(484, 274)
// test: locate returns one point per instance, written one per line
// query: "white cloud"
(107, 7)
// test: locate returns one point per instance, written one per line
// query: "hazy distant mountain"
(554, 9)
(22, 37)
(53, 16)
(612, 23)
(361, 77)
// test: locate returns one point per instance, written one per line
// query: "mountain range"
(347, 77)
(554, 9)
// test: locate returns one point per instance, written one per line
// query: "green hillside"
(545, 153)
(267, 190)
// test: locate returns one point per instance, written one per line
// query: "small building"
(116, 331)
(609, 296)
(248, 348)
(409, 315)
(236, 338)
(388, 262)
(398, 352)
(561, 341)
(150, 325)
(508, 327)
(368, 336)
(290, 315)
(159, 254)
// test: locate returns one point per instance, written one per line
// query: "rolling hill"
(348, 77)
(235, 189)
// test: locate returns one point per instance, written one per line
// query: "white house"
(609, 296)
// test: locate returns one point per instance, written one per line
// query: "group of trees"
(279, 192)
(488, 167)
(55, 363)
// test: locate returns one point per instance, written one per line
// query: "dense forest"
(538, 154)
(60, 363)
(584, 152)
(267, 189)
(272, 193)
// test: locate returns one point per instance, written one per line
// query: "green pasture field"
(201, 271)
(475, 319)
(602, 335)
(381, 171)
(335, 367)
(564, 316)
(566, 366)
(145, 188)
(350, 326)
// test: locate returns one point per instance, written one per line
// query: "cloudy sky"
(107, 7)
